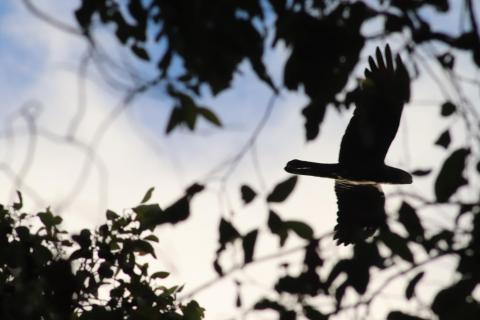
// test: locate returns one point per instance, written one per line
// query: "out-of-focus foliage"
(45, 273)
(210, 38)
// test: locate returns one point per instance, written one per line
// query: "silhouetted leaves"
(439, 239)
(397, 245)
(283, 312)
(321, 69)
(451, 302)
(49, 220)
(142, 247)
(312, 258)
(208, 115)
(147, 195)
(227, 234)
(276, 226)
(410, 290)
(193, 311)
(147, 215)
(248, 194)
(36, 272)
(444, 139)
(313, 314)
(398, 315)
(409, 218)
(19, 204)
(281, 228)
(159, 275)
(140, 52)
(302, 229)
(178, 211)
(186, 112)
(282, 190)
(110, 215)
(306, 283)
(450, 177)
(248, 244)
(448, 108)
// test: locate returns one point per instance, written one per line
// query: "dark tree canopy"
(212, 38)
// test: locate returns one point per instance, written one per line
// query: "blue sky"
(39, 64)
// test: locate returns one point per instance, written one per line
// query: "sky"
(39, 86)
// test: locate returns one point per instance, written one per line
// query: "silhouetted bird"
(361, 169)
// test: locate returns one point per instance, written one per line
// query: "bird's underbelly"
(345, 182)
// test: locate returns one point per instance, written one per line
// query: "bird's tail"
(325, 170)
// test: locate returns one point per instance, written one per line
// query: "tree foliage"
(95, 274)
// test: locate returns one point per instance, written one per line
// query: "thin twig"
(242, 266)
(51, 20)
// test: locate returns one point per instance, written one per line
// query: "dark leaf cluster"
(45, 273)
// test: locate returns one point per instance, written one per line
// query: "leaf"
(147, 215)
(160, 275)
(178, 211)
(302, 229)
(264, 304)
(448, 108)
(238, 300)
(194, 189)
(193, 311)
(248, 194)
(18, 205)
(143, 247)
(409, 218)
(148, 195)
(209, 115)
(397, 245)
(450, 177)
(248, 244)
(227, 231)
(410, 291)
(111, 215)
(398, 315)
(313, 314)
(276, 226)
(48, 219)
(175, 119)
(140, 52)
(444, 139)
(152, 238)
(282, 190)
(312, 258)
(450, 299)
(421, 172)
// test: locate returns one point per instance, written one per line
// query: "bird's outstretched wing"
(379, 104)
(361, 211)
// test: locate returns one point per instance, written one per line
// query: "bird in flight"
(361, 169)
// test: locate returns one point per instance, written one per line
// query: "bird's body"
(361, 169)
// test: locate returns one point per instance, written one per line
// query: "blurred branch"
(242, 266)
(82, 94)
(375, 293)
(473, 19)
(51, 20)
